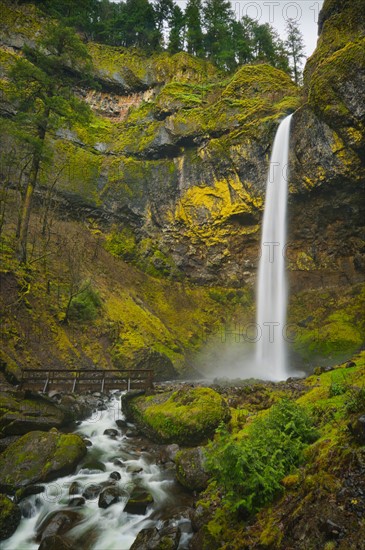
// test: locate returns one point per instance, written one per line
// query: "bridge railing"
(87, 379)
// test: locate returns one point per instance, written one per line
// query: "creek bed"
(132, 462)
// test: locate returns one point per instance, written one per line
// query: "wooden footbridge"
(79, 381)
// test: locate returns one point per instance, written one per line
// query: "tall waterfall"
(272, 285)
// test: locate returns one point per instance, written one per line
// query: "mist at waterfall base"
(259, 350)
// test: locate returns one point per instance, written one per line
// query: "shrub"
(356, 400)
(250, 469)
(85, 306)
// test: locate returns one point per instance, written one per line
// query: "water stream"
(271, 349)
(112, 528)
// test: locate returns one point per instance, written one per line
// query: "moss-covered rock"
(190, 470)
(187, 416)
(38, 457)
(20, 413)
(9, 517)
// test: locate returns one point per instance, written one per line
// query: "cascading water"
(114, 527)
(271, 352)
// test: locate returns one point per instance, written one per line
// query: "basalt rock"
(9, 517)
(22, 464)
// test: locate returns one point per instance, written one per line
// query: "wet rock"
(350, 364)
(138, 501)
(59, 456)
(92, 491)
(168, 453)
(28, 491)
(190, 470)
(121, 423)
(154, 539)
(111, 432)
(9, 517)
(27, 509)
(115, 475)
(57, 523)
(94, 465)
(75, 488)
(108, 496)
(134, 469)
(55, 542)
(87, 442)
(77, 501)
(117, 462)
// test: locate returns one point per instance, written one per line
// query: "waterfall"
(272, 285)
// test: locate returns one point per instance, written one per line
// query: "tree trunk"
(32, 182)
(26, 210)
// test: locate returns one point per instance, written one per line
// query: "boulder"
(190, 470)
(138, 501)
(111, 432)
(23, 464)
(9, 517)
(94, 465)
(57, 524)
(188, 416)
(92, 491)
(115, 475)
(22, 413)
(109, 496)
(152, 538)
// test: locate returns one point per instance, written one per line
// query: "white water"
(271, 354)
(111, 528)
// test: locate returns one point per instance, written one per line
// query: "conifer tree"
(295, 46)
(177, 25)
(218, 18)
(42, 81)
(193, 26)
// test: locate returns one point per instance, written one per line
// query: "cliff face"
(172, 167)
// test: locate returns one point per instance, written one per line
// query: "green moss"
(187, 416)
(327, 326)
(325, 93)
(121, 243)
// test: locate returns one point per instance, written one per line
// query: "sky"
(276, 12)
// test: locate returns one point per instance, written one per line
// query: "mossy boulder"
(187, 416)
(38, 457)
(190, 470)
(9, 517)
(21, 413)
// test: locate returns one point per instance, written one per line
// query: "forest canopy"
(208, 29)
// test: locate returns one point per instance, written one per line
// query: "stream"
(132, 462)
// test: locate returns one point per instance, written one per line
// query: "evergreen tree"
(193, 26)
(137, 25)
(218, 18)
(177, 25)
(295, 46)
(43, 79)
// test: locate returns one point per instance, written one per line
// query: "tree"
(193, 26)
(43, 79)
(177, 25)
(295, 46)
(218, 17)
